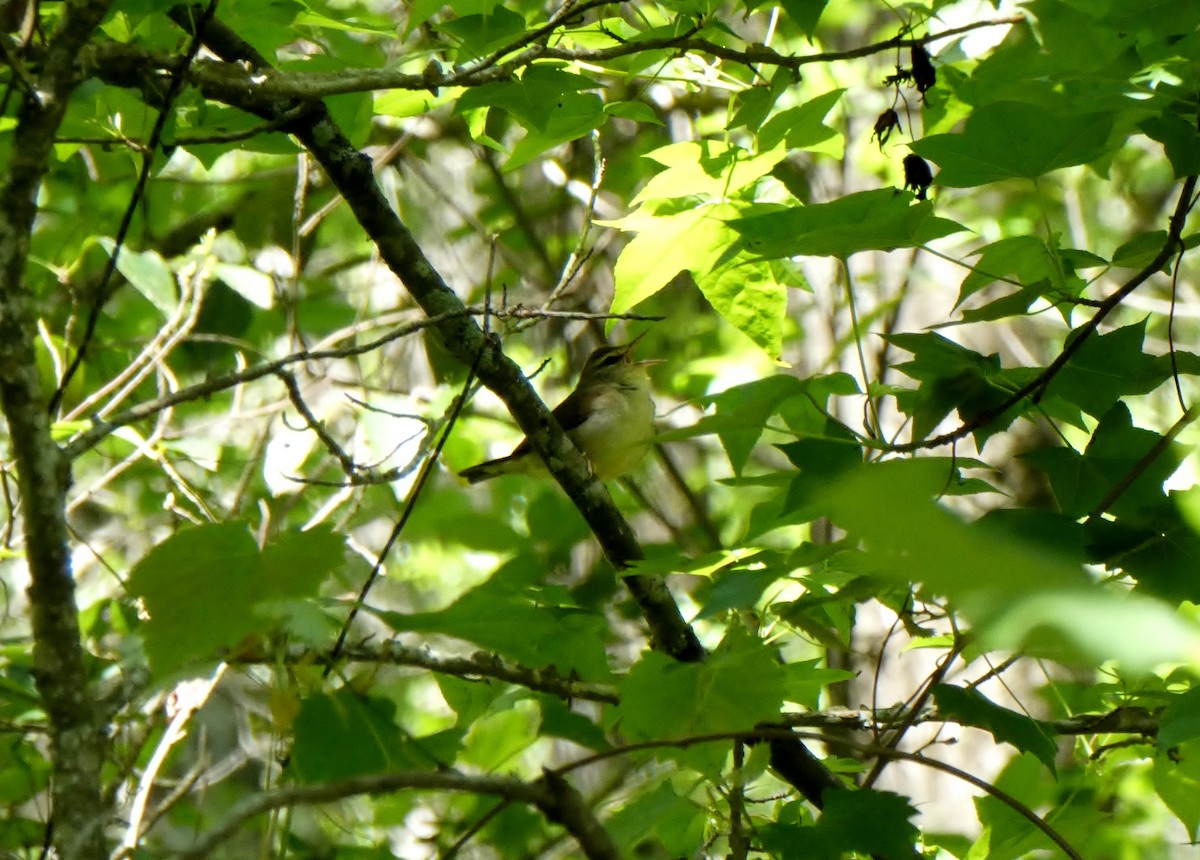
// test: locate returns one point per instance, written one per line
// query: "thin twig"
(316, 426)
(1037, 386)
(328, 792)
(187, 698)
(178, 77)
(1139, 468)
(739, 840)
(410, 503)
(914, 707)
(88, 439)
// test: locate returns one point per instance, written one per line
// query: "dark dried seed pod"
(917, 174)
(923, 73)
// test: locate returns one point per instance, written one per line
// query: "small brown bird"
(609, 417)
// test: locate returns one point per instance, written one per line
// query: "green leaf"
(1180, 720)
(468, 699)
(864, 821)
(536, 99)
(219, 120)
(265, 24)
(747, 407)
(972, 708)
(149, 274)
(496, 738)
(737, 588)
(710, 169)
(820, 459)
(296, 563)
(254, 286)
(803, 127)
(754, 105)
(1011, 305)
(349, 25)
(1092, 625)
(808, 680)
(952, 378)
(1140, 250)
(636, 111)
(1081, 482)
(559, 721)
(521, 625)
(1015, 140)
(547, 101)
(481, 34)
(204, 581)
(1026, 779)
(575, 118)
(739, 685)
(693, 240)
(1106, 368)
(748, 294)
(881, 220)
(1019, 596)
(655, 819)
(212, 581)
(1177, 780)
(405, 103)
(806, 13)
(890, 507)
(345, 735)
(1025, 258)
(837, 448)
(1179, 138)
(1159, 554)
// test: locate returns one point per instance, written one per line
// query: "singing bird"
(609, 417)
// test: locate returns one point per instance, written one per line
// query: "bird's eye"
(611, 359)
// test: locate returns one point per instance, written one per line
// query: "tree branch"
(484, 665)
(1037, 386)
(567, 807)
(350, 173)
(77, 742)
(102, 429)
(535, 794)
(230, 76)
(480, 665)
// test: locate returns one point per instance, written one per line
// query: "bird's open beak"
(628, 355)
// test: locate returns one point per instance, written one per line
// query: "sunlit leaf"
(870, 220)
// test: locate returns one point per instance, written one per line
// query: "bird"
(609, 417)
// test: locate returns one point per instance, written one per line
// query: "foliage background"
(925, 473)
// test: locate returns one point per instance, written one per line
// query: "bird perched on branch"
(609, 417)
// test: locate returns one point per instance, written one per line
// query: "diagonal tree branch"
(350, 172)
(1036, 387)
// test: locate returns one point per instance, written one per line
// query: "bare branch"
(534, 794)
(480, 665)
(100, 430)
